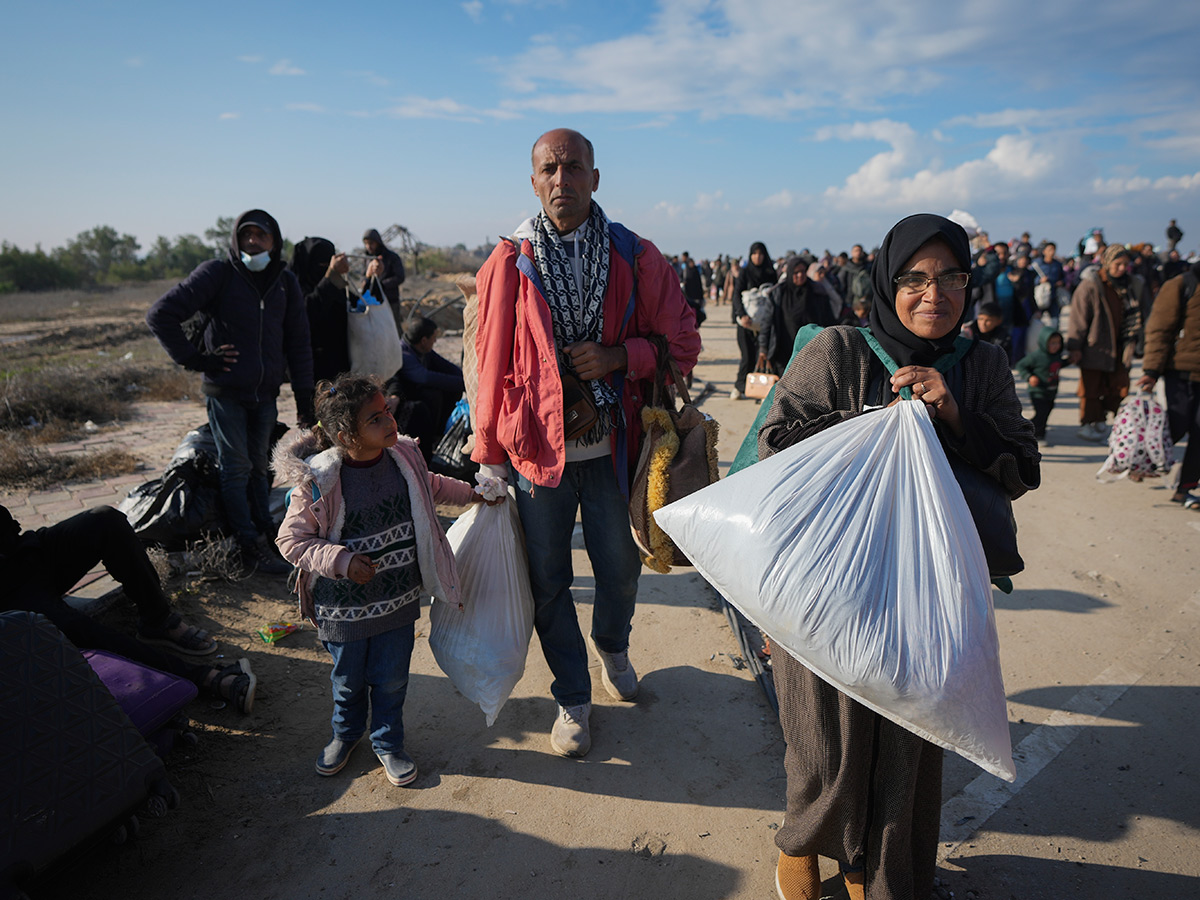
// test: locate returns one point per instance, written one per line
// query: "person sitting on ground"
(38, 567)
(429, 379)
(988, 326)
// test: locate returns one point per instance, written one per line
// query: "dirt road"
(682, 791)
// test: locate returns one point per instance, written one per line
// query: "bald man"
(571, 291)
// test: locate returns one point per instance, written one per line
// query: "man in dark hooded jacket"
(386, 266)
(255, 332)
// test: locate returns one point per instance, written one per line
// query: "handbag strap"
(667, 367)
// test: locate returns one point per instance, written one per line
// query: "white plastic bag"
(758, 304)
(1140, 441)
(482, 647)
(373, 340)
(855, 552)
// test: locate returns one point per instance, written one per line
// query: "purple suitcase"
(152, 699)
(73, 767)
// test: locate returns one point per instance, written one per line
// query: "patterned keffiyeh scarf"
(575, 317)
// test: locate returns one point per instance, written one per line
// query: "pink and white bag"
(1139, 445)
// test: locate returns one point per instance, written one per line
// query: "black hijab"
(906, 238)
(756, 274)
(310, 260)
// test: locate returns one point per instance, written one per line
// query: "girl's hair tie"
(332, 390)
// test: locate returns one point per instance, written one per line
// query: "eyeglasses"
(918, 283)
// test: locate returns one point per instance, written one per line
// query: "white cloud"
(229, 115)
(1009, 119)
(670, 210)
(306, 107)
(250, 59)
(285, 67)
(134, 62)
(705, 202)
(443, 108)
(906, 176)
(474, 9)
(1138, 184)
(780, 200)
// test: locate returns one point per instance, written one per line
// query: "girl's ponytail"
(338, 403)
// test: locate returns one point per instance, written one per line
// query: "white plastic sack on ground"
(1140, 441)
(482, 647)
(374, 341)
(855, 552)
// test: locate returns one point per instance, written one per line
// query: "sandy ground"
(683, 789)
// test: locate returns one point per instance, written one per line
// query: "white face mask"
(257, 262)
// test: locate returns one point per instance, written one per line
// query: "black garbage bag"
(448, 456)
(185, 504)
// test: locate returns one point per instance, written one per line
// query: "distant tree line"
(102, 257)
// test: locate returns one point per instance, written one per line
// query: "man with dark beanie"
(255, 332)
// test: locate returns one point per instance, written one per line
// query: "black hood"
(310, 261)
(266, 222)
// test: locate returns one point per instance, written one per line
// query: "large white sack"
(855, 551)
(373, 341)
(482, 647)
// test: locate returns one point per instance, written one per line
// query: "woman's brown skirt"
(860, 789)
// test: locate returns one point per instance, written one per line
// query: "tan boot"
(798, 877)
(854, 885)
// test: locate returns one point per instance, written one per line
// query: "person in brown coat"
(1105, 322)
(1173, 354)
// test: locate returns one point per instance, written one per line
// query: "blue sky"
(715, 123)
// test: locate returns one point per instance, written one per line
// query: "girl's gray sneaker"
(398, 767)
(335, 756)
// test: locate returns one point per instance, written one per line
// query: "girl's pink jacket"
(310, 534)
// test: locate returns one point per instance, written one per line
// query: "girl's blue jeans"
(375, 671)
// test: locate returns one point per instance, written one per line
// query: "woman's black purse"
(992, 511)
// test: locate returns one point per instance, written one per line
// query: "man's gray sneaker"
(571, 734)
(398, 767)
(616, 673)
(335, 756)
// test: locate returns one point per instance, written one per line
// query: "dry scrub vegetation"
(74, 362)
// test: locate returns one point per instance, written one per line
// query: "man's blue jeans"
(548, 518)
(374, 669)
(242, 430)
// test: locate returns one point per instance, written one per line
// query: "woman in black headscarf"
(759, 271)
(322, 276)
(796, 301)
(861, 789)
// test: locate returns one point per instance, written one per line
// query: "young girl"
(362, 529)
